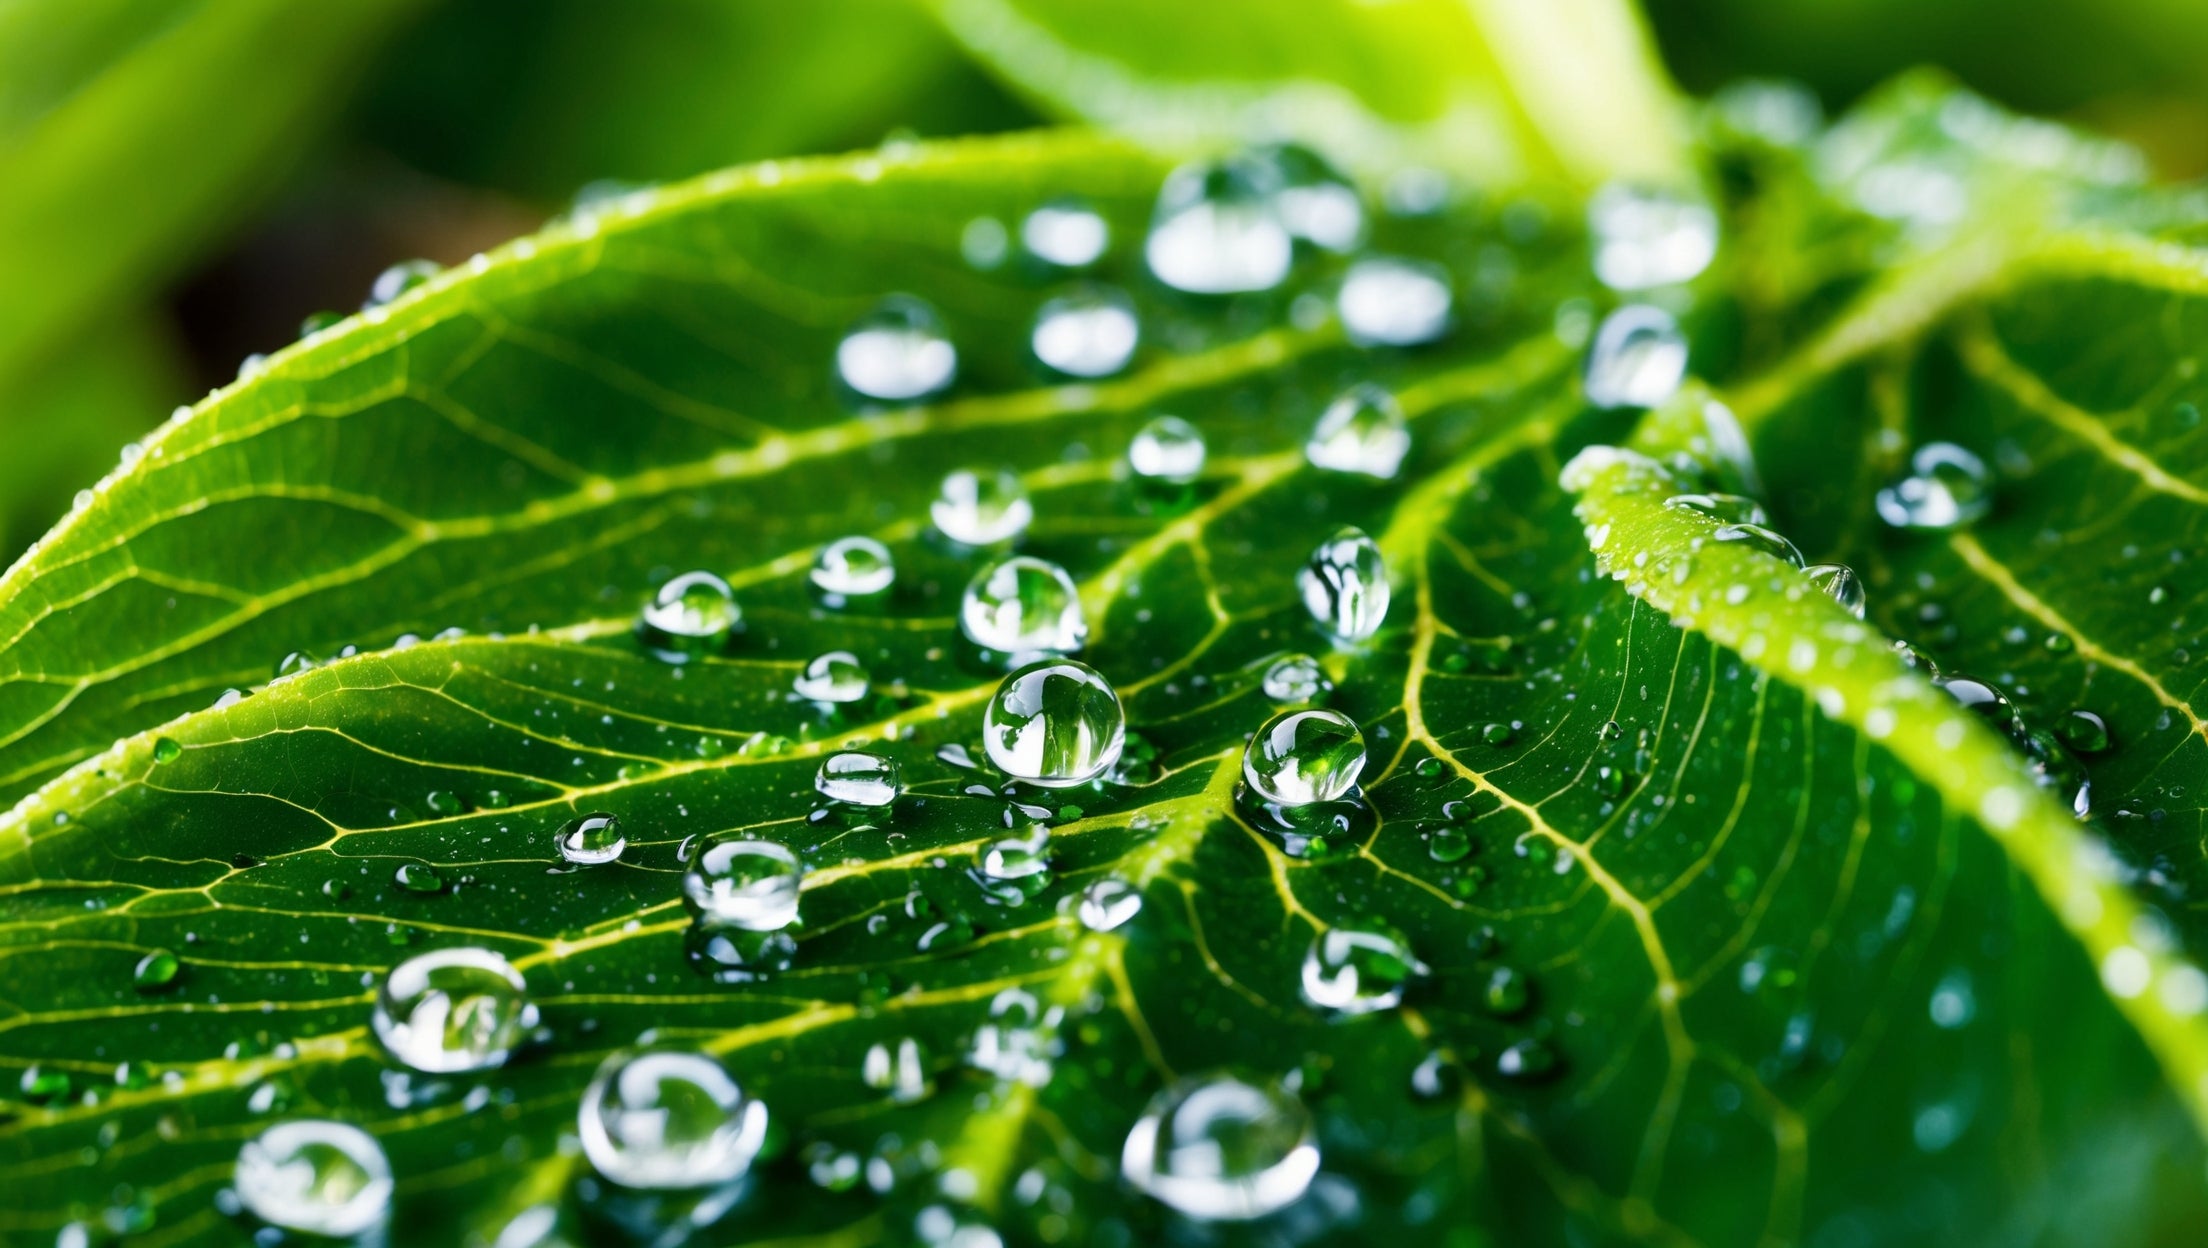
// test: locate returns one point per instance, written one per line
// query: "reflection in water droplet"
(1295, 678)
(736, 882)
(897, 352)
(1216, 230)
(835, 678)
(982, 508)
(1056, 723)
(1301, 757)
(1357, 972)
(1023, 606)
(853, 567)
(1948, 487)
(1087, 332)
(1218, 1149)
(1167, 449)
(1065, 232)
(669, 1121)
(1649, 236)
(592, 840)
(452, 1010)
(858, 779)
(315, 1178)
(1638, 359)
(1361, 431)
(1839, 582)
(690, 614)
(1107, 904)
(1757, 537)
(1391, 302)
(1345, 585)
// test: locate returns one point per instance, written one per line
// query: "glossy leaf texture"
(1698, 959)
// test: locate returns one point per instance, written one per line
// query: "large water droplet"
(1347, 971)
(1361, 431)
(315, 1178)
(592, 840)
(1757, 537)
(834, 678)
(1216, 230)
(690, 614)
(156, 971)
(1056, 723)
(1638, 359)
(735, 882)
(1023, 606)
(1108, 904)
(853, 567)
(1948, 487)
(1392, 302)
(982, 508)
(1088, 332)
(858, 779)
(2083, 731)
(669, 1121)
(1295, 678)
(1839, 582)
(1649, 236)
(452, 1010)
(1065, 232)
(1301, 757)
(1167, 449)
(1988, 702)
(1315, 201)
(897, 352)
(1723, 508)
(1218, 1149)
(1345, 585)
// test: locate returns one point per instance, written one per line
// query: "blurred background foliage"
(183, 181)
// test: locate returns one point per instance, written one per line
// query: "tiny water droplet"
(742, 883)
(1056, 723)
(452, 1010)
(398, 279)
(1216, 230)
(1345, 585)
(1496, 734)
(1507, 992)
(314, 1177)
(1167, 449)
(982, 508)
(1301, 757)
(660, 1121)
(1839, 582)
(1108, 904)
(690, 614)
(1295, 678)
(1361, 431)
(858, 779)
(1948, 487)
(592, 840)
(1090, 331)
(1646, 236)
(834, 678)
(853, 568)
(1347, 971)
(1065, 232)
(1218, 1149)
(1526, 1061)
(1638, 359)
(1023, 606)
(898, 352)
(1392, 302)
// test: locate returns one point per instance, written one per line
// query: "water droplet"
(1362, 431)
(1638, 359)
(858, 779)
(1313, 200)
(1218, 1149)
(983, 242)
(902, 1072)
(1345, 585)
(1392, 302)
(982, 508)
(1167, 449)
(1496, 734)
(1649, 236)
(156, 971)
(1348, 971)
(315, 1178)
(398, 279)
(1988, 702)
(853, 567)
(1301, 757)
(669, 1121)
(1526, 1061)
(734, 882)
(1295, 678)
(592, 840)
(1057, 723)
(1948, 487)
(1216, 230)
(1449, 843)
(418, 877)
(452, 1010)
(1757, 537)
(1838, 582)
(1437, 1077)
(1507, 992)
(1019, 1042)
(1723, 508)
(1917, 661)
(2083, 731)
(835, 678)
(1023, 606)
(1065, 232)
(166, 750)
(897, 352)
(732, 955)
(690, 614)
(1088, 332)
(1108, 904)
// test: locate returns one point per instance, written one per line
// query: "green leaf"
(1704, 955)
